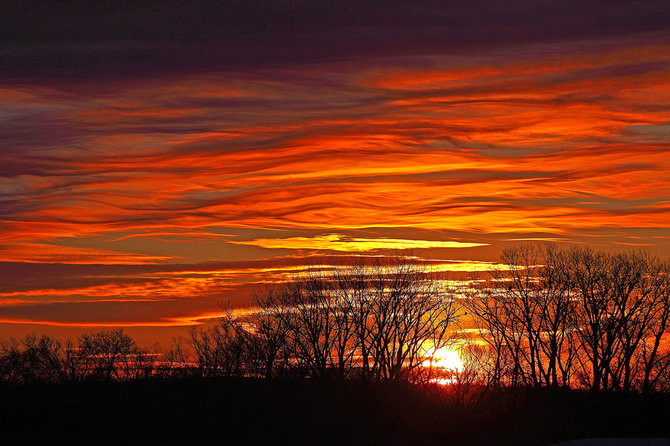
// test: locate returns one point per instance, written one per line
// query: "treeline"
(373, 321)
(105, 355)
(574, 318)
(546, 318)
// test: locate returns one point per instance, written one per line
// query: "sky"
(161, 159)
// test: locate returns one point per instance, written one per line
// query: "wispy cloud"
(491, 145)
(558, 139)
(337, 242)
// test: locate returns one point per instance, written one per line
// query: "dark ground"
(242, 411)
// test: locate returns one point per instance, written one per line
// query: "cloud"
(337, 242)
(86, 295)
(506, 141)
(42, 252)
(129, 171)
(71, 40)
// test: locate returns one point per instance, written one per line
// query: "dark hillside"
(242, 411)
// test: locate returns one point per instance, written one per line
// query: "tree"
(390, 315)
(524, 313)
(655, 362)
(551, 314)
(266, 347)
(104, 351)
(219, 348)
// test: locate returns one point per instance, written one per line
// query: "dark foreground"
(240, 411)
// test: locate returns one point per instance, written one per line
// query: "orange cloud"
(564, 141)
(337, 242)
(45, 253)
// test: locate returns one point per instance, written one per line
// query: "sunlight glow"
(445, 358)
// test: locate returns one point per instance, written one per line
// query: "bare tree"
(178, 362)
(355, 292)
(46, 357)
(555, 313)
(381, 317)
(219, 348)
(525, 314)
(622, 315)
(104, 351)
(266, 339)
(12, 365)
(411, 318)
(655, 361)
(304, 307)
(107, 354)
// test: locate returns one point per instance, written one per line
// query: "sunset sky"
(158, 160)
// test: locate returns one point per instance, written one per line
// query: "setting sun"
(447, 359)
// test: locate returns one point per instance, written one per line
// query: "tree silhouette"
(549, 317)
(551, 314)
(103, 352)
